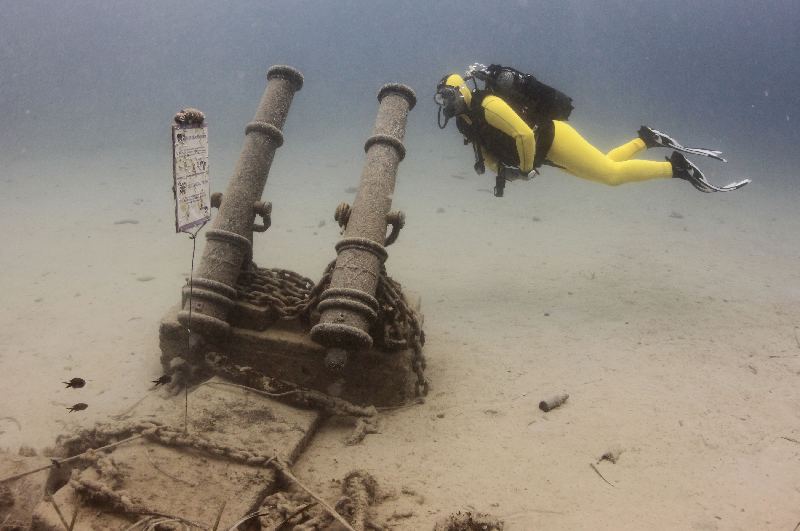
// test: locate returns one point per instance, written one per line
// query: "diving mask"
(450, 102)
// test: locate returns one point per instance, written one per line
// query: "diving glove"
(512, 173)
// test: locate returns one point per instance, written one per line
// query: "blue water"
(722, 72)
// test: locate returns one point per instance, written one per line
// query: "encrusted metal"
(229, 241)
(345, 319)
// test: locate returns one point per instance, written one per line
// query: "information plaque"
(190, 172)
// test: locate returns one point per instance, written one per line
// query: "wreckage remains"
(355, 329)
(268, 353)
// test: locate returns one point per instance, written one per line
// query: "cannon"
(230, 239)
(354, 333)
(348, 307)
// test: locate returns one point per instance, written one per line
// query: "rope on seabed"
(168, 436)
(150, 430)
(366, 417)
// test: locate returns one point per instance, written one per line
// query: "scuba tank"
(533, 100)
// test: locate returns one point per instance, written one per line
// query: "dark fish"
(76, 383)
(80, 406)
(163, 380)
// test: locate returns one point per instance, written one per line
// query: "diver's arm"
(501, 116)
(509, 173)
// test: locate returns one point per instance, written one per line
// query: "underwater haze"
(722, 72)
(671, 317)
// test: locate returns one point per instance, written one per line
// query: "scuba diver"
(516, 124)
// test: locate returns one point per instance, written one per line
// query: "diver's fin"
(655, 138)
(682, 168)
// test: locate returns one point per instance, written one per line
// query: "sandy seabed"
(669, 316)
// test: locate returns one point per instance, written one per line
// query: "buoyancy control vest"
(503, 147)
(478, 131)
(535, 102)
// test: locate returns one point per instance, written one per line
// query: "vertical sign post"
(192, 192)
(190, 170)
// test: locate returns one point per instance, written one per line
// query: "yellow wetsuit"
(568, 149)
(577, 156)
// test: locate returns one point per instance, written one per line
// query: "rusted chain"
(58, 462)
(286, 391)
(402, 328)
(289, 295)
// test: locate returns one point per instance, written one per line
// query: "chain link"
(401, 326)
(290, 295)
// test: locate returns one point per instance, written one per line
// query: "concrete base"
(286, 352)
(187, 482)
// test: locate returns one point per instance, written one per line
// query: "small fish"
(76, 383)
(80, 406)
(163, 380)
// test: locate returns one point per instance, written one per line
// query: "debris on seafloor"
(227, 441)
(611, 456)
(553, 402)
(601, 475)
(469, 521)
(360, 492)
(330, 511)
(57, 463)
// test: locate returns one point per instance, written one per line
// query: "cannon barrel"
(229, 240)
(348, 307)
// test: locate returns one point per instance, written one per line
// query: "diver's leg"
(627, 151)
(582, 159)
